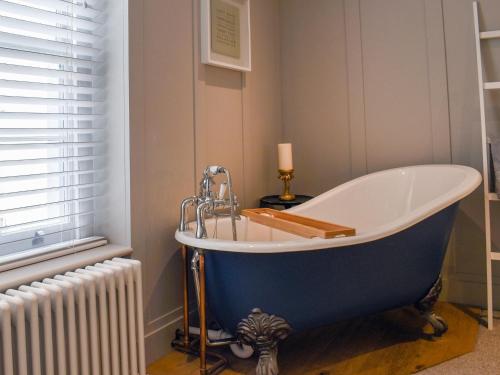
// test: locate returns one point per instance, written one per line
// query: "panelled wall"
(364, 87)
(356, 85)
(374, 84)
(184, 116)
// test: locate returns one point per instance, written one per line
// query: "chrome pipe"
(195, 261)
(222, 342)
(185, 295)
(232, 202)
(196, 276)
(203, 315)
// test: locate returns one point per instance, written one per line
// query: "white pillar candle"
(285, 161)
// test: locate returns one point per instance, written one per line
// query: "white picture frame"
(242, 57)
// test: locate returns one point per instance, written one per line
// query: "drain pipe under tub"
(239, 350)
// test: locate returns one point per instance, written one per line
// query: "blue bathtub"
(318, 287)
(403, 218)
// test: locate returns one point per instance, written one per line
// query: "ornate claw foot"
(437, 322)
(263, 332)
(425, 307)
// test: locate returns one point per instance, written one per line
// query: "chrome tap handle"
(222, 190)
(206, 186)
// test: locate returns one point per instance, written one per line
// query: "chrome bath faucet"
(208, 203)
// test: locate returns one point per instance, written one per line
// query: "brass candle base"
(286, 176)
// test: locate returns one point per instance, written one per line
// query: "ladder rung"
(489, 34)
(491, 85)
(495, 255)
(493, 197)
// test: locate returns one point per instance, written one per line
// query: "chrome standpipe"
(183, 341)
(206, 204)
(232, 203)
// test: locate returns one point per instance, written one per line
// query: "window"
(54, 121)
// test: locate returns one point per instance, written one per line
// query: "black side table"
(271, 201)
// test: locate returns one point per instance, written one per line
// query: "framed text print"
(225, 34)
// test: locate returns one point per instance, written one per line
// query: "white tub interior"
(377, 205)
(382, 198)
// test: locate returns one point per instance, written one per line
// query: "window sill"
(37, 271)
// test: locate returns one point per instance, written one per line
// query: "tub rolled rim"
(468, 185)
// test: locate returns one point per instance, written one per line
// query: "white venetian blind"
(52, 121)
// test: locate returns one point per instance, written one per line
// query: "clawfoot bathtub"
(269, 282)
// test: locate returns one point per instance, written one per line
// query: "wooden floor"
(391, 343)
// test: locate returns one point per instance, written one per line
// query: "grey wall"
(375, 84)
(184, 116)
(356, 85)
(364, 87)
(314, 88)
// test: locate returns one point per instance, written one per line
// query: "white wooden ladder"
(488, 196)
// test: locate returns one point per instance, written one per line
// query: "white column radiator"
(84, 322)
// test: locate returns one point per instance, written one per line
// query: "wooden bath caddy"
(299, 225)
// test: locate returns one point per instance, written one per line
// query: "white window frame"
(117, 225)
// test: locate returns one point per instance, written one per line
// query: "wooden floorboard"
(393, 343)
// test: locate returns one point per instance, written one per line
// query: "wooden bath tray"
(299, 225)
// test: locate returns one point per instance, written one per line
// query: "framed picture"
(225, 34)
